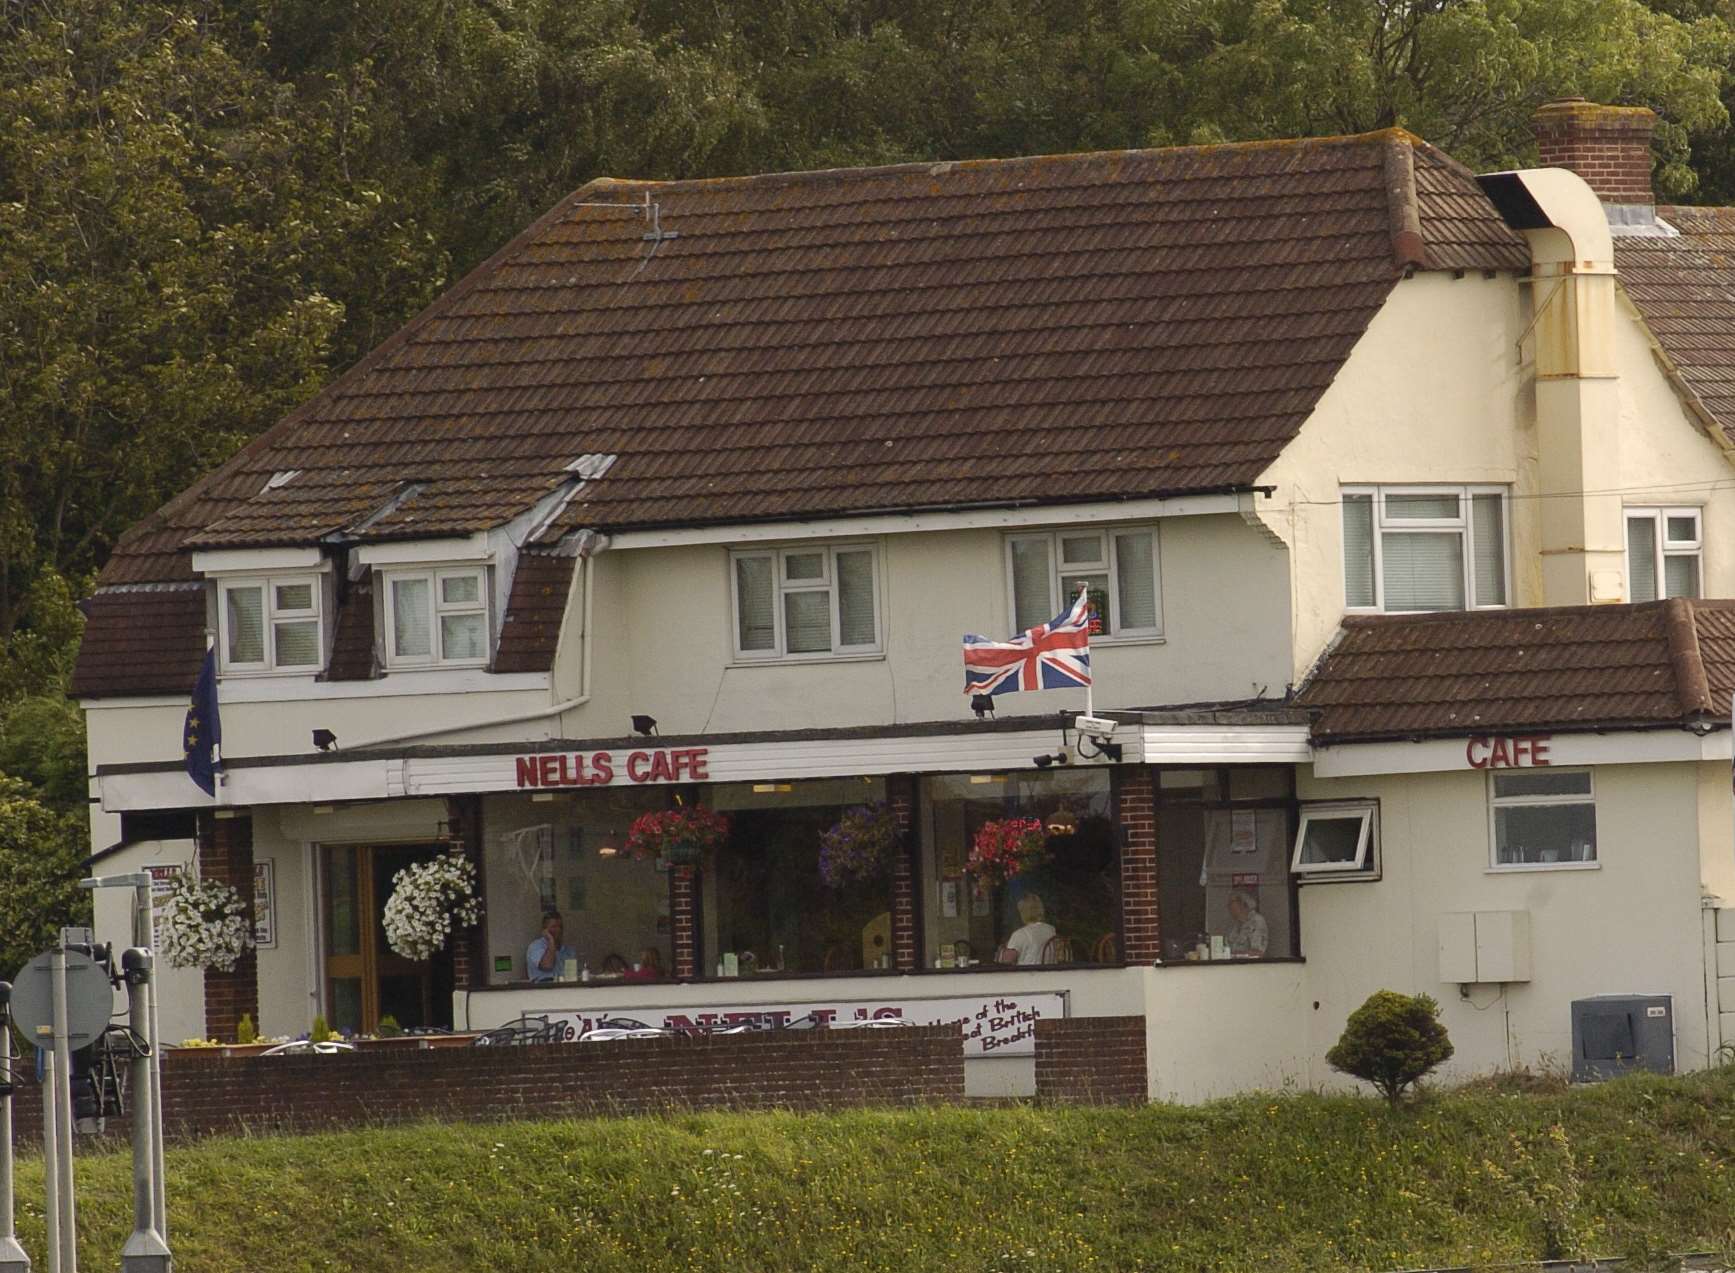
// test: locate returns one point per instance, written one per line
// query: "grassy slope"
(1292, 1182)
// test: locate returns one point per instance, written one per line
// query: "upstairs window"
(437, 617)
(1542, 818)
(270, 625)
(1118, 566)
(1337, 839)
(1663, 547)
(1415, 548)
(800, 603)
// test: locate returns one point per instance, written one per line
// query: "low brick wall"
(1091, 1060)
(205, 1093)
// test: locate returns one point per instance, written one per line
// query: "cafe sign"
(1520, 751)
(612, 768)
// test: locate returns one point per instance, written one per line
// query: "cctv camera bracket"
(1095, 726)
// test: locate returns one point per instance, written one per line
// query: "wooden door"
(365, 979)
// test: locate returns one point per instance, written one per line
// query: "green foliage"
(388, 1028)
(1391, 1041)
(41, 852)
(245, 1032)
(321, 1033)
(1542, 1169)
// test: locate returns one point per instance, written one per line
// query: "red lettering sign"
(1525, 751)
(597, 768)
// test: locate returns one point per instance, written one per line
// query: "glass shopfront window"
(1223, 849)
(1063, 907)
(568, 854)
(766, 904)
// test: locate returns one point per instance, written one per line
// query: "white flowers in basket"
(202, 923)
(429, 901)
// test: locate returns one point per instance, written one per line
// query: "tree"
(1391, 1041)
(41, 852)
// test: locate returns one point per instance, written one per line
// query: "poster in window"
(1244, 832)
(949, 899)
(264, 905)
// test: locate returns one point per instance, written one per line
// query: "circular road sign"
(89, 1001)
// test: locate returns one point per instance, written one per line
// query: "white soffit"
(909, 523)
(1225, 744)
(256, 561)
(1449, 755)
(424, 552)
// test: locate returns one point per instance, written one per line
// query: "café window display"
(567, 852)
(1224, 840)
(1020, 869)
(803, 883)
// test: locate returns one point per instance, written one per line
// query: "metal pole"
(50, 1160)
(145, 934)
(63, 1117)
(145, 1251)
(12, 1257)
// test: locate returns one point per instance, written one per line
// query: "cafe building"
(679, 508)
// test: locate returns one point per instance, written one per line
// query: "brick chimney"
(1609, 146)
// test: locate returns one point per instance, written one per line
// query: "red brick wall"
(902, 798)
(1091, 1060)
(1140, 925)
(1609, 146)
(226, 854)
(205, 1093)
(684, 929)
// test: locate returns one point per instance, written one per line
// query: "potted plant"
(429, 902)
(202, 923)
(858, 847)
(1007, 847)
(679, 837)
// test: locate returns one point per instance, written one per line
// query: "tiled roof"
(531, 630)
(352, 643)
(146, 640)
(1685, 289)
(1566, 668)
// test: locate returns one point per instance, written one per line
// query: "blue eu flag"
(203, 734)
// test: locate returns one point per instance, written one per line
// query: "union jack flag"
(1052, 656)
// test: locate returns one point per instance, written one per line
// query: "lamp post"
(12, 1257)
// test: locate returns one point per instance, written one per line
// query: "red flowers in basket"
(1007, 847)
(679, 835)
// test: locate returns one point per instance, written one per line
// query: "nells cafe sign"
(610, 768)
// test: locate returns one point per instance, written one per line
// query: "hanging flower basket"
(678, 836)
(202, 923)
(859, 847)
(1007, 847)
(429, 902)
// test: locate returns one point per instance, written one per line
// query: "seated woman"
(1249, 935)
(649, 966)
(1028, 944)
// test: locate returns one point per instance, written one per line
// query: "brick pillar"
(1136, 807)
(683, 926)
(464, 826)
(226, 855)
(901, 795)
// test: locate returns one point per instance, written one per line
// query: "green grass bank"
(1478, 1176)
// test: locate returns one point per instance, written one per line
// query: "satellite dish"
(89, 1001)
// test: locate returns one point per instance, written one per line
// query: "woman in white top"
(1028, 944)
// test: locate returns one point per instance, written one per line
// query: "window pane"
(1085, 550)
(1135, 564)
(807, 621)
(1032, 579)
(1102, 618)
(412, 636)
(1331, 839)
(1358, 550)
(1543, 833)
(462, 636)
(855, 599)
(298, 643)
(804, 566)
(1682, 530)
(1681, 575)
(1422, 506)
(246, 621)
(753, 602)
(294, 596)
(1536, 782)
(457, 590)
(1642, 558)
(1423, 572)
(1489, 535)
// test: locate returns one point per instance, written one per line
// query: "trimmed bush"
(1391, 1041)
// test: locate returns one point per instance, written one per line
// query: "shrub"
(321, 1032)
(1391, 1041)
(388, 1028)
(244, 1029)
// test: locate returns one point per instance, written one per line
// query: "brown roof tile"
(147, 640)
(352, 644)
(1564, 668)
(531, 629)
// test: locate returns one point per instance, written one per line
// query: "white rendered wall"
(1215, 1029)
(180, 991)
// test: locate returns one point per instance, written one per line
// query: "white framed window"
(271, 624)
(1663, 553)
(818, 601)
(1416, 548)
(437, 617)
(1542, 819)
(1120, 566)
(1337, 839)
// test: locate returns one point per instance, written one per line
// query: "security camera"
(1095, 726)
(1043, 762)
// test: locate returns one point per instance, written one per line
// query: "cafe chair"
(1006, 955)
(614, 963)
(1104, 950)
(1057, 950)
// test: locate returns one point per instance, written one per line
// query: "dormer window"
(271, 624)
(437, 617)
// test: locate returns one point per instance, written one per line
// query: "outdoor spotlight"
(646, 725)
(324, 739)
(982, 705)
(1043, 762)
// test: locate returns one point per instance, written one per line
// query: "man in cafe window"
(544, 956)
(1249, 935)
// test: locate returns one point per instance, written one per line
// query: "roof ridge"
(1513, 612)
(1409, 249)
(1692, 688)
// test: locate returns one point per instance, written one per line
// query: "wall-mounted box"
(1484, 947)
(1616, 1034)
